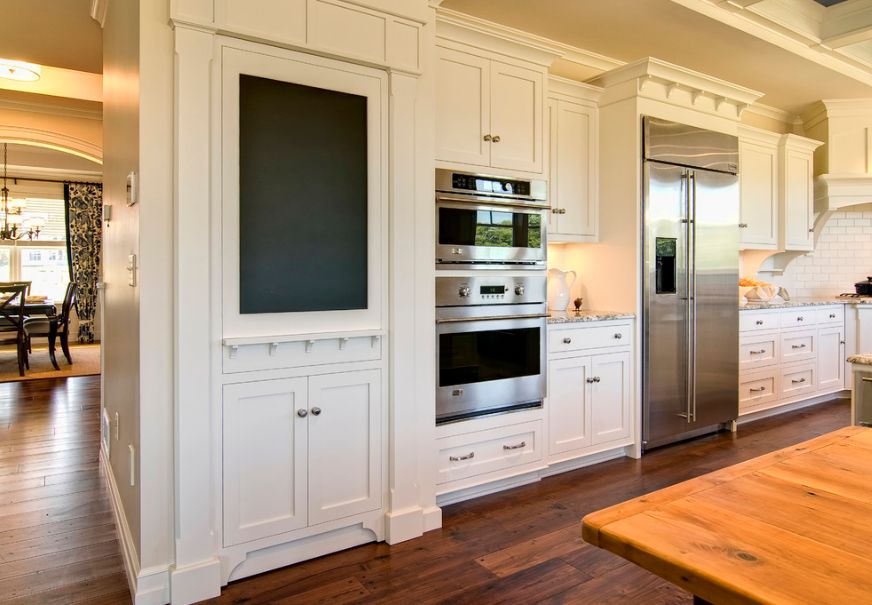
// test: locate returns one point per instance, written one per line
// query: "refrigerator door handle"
(691, 296)
(686, 222)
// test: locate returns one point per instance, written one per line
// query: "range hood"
(844, 164)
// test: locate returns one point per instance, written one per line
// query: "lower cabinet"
(831, 358)
(300, 451)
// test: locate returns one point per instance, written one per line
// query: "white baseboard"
(432, 518)
(484, 489)
(196, 582)
(148, 586)
(404, 525)
(577, 463)
(791, 407)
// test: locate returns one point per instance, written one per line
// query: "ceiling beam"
(59, 82)
(844, 28)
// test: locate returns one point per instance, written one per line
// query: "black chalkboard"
(302, 198)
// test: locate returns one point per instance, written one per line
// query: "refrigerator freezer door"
(666, 308)
(716, 275)
(685, 145)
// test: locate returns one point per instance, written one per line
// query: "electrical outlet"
(106, 432)
(131, 270)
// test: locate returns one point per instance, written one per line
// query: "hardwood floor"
(58, 542)
(523, 546)
(57, 534)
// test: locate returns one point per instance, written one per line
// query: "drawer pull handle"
(459, 458)
(832, 315)
(619, 336)
(760, 352)
(567, 340)
(758, 390)
(520, 446)
(800, 381)
(866, 379)
(797, 346)
(759, 322)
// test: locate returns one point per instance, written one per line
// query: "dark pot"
(864, 288)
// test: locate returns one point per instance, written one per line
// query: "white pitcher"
(558, 289)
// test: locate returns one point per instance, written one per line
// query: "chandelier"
(13, 219)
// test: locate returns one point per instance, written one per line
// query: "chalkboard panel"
(302, 198)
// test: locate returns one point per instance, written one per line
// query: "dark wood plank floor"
(57, 534)
(523, 546)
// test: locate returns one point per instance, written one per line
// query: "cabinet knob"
(596, 378)
(800, 318)
(832, 315)
(811, 230)
(555, 211)
(759, 322)
(302, 413)
(316, 411)
(743, 225)
(563, 211)
(567, 340)
(496, 138)
(618, 336)
(488, 138)
(589, 380)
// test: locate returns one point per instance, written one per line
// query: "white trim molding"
(51, 140)
(99, 8)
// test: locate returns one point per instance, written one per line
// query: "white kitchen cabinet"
(489, 112)
(758, 186)
(797, 192)
(300, 451)
(831, 358)
(573, 161)
(610, 397)
(589, 394)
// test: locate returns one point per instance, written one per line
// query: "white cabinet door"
(264, 454)
(798, 194)
(758, 184)
(516, 117)
(610, 397)
(831, 359)
(568, 412)
(345, 426)
(462, 108)
(573, 170)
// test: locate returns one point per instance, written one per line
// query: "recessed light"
(19, 70)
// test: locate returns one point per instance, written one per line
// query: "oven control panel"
(490, 290)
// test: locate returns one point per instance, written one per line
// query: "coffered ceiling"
(774, 46)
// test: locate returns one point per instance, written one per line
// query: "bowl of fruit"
(756, 291)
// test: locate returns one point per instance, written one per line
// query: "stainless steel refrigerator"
(690, 292)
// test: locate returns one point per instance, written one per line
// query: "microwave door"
(473, 233)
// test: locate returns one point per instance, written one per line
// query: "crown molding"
(758, 135)
(50, 109)
(771, 113)
(42, 172)
(573, 89)
(799, 142)
(99, 8)
(836, 108)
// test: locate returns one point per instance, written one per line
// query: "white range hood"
(844, 163)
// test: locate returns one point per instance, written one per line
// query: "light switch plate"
(131, 270)
(132, 193)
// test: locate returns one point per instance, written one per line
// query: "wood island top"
(793, 526)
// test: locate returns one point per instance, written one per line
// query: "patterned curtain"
(84, 208)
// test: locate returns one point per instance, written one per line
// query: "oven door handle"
(454, 320)
(498, 203)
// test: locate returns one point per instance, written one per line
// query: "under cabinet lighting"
(19, 70)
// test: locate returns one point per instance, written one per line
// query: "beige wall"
(121, 238)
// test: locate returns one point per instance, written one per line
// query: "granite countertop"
(569, 317)
(864, 359)
(806, 302)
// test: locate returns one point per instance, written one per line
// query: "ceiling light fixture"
(19, 70)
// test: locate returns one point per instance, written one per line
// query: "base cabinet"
(831, 356)
(300, 451)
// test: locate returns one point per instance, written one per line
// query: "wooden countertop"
(793, 526)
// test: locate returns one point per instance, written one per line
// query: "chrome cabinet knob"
(759, 322)
(743, 225)
(488, 138)
(496, 138)
(800, 318)
(596, 378)
(464, 291)
(589, 380)
(618, 336)
(302, 413)
(316, 411)
(519, 289)
(555, 211)
(567, 340)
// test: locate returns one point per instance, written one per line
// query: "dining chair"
(51, 327)
(12, 318)
(16, 283)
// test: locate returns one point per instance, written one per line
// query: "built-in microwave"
(489, 222)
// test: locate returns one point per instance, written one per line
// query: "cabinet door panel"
(798, 201)
(264, 451)
(758, 182)
(516, 117)
(344, 445)
(462, 108)
(572, 180)
(831, 357)
(610, 397)
(568, 412)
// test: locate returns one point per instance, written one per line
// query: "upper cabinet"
(488, 111)
(758, 183)
(797, 191)
(573, 167)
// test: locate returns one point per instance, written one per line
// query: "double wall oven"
(491, 310)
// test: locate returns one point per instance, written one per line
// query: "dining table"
(790, 527)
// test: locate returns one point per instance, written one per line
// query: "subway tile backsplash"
(842, 257)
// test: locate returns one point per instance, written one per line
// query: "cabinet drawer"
(798, 382)
(756, 352)
(468, 455)
(592, 337)
(831, 315)
(798, 346)
(755, 321)
(758, 389)
(798, 318)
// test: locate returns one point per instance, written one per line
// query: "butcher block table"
(793, 526)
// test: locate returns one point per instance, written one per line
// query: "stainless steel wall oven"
(489, 222)
(490, 344)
